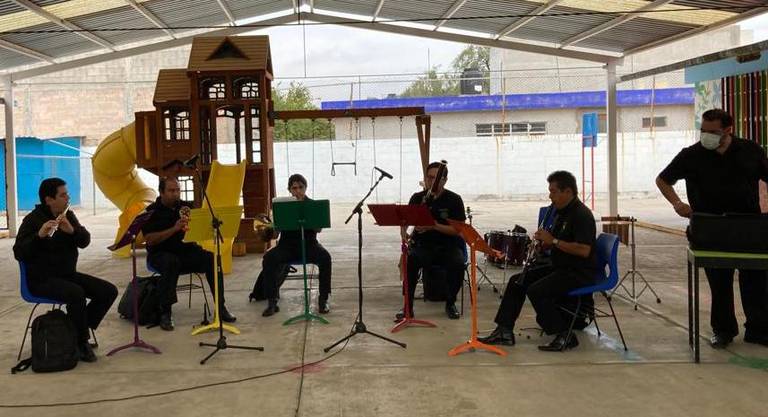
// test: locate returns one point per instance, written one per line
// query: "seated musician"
(438, 245)
(288, 250)
(170, 255)
(572, 266)
(47, 243)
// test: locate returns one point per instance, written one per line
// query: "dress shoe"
(322, 305)
(720, 341)
(499, 336)
(451, 311)
(166, 322)
(401, 314)
(86, 352)
(756, 339)
(226, 316)
(271, 309)
(562, 342)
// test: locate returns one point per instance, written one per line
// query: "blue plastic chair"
(607, 253)
(27, 296)
(189, 287)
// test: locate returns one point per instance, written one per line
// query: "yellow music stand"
(200, 230)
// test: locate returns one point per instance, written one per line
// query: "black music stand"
(633, 272)
(129, 238)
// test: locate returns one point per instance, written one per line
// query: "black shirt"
(293, 237)
(574, 223)
(162, 218)
(717, 183)
(49, 256)
(448, 205)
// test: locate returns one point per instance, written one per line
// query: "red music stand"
(129, 238)
(403, 215)
(476, 243)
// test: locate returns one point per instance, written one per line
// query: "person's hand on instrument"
(181, 224)
(66, 226)
(47, 227)
(544, 236)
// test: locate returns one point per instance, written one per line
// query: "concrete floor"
(372, 377)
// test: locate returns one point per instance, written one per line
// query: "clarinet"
(534, 247)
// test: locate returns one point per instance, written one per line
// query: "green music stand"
(301, 215)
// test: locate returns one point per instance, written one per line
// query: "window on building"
(659, 121)
(246, 87)
(518, 128)
(176, 124)
(213, 88)
(187, 187)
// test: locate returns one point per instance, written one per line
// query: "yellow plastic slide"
(114, 171)
(224, 187)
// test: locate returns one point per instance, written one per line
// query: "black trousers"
(546, 287)
(73, 290)
(170, 265)
(753, 286)
(448, 257)
(274, 262)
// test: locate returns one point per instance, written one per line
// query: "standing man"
(47, 243)
(438, 245)
(288, 249)
(721, 174)
(572, 244)
(170, 255)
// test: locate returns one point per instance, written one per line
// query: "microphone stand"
(359, 326)
(221, 343)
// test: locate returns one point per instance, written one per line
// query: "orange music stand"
(404, 215)
(476, 243)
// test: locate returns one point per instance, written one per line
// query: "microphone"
(383, 173)
(191, 162)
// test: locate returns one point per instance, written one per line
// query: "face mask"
(709, 140)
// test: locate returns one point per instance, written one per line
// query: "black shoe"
(499, 336)
(322, 305)
(401, 314)
(271, 309)
(226, 316)
(561, 343)
(451, 311)
(756, 339)
(719, 341)
(86, 352)
(166, 322)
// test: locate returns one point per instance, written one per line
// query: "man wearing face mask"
(721, 174)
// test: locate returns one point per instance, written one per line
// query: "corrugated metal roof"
(645, 30)
(255, 49)
(172, 85)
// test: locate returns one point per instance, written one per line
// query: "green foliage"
(298, 97)
(433, 84)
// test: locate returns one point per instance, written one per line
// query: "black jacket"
(49, 256)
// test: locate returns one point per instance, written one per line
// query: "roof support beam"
(295, 6)
(455, 37)
(151, 17)
(524, 21)
(224, 8)
(159, 46)
(693, 32)
(449, 14)
(32, 7)
(613, 23)
(377, 10)
(26, 51)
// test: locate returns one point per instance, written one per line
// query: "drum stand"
(634, 295)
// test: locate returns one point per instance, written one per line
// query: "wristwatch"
(555, 242)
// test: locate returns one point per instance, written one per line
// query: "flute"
(59, 218)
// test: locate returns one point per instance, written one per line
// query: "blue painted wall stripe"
(626, 98)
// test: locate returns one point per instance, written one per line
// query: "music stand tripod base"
(473, 345)
(215, 326)
(306, 316)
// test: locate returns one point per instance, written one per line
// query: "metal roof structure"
(43, 36)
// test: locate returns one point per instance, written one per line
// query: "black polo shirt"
(293, 237)
(716, 183)
(574, 223)
(162, 218)
(448, 205)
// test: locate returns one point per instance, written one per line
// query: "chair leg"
(573, 323)
(95, 343)
(205, 295)
(594, 319)
(189, 298)
(26, 330)
(615, 320)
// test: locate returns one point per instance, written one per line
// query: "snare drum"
(512, 245)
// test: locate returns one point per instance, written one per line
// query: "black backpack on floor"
(148, 306)
(54, 344)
